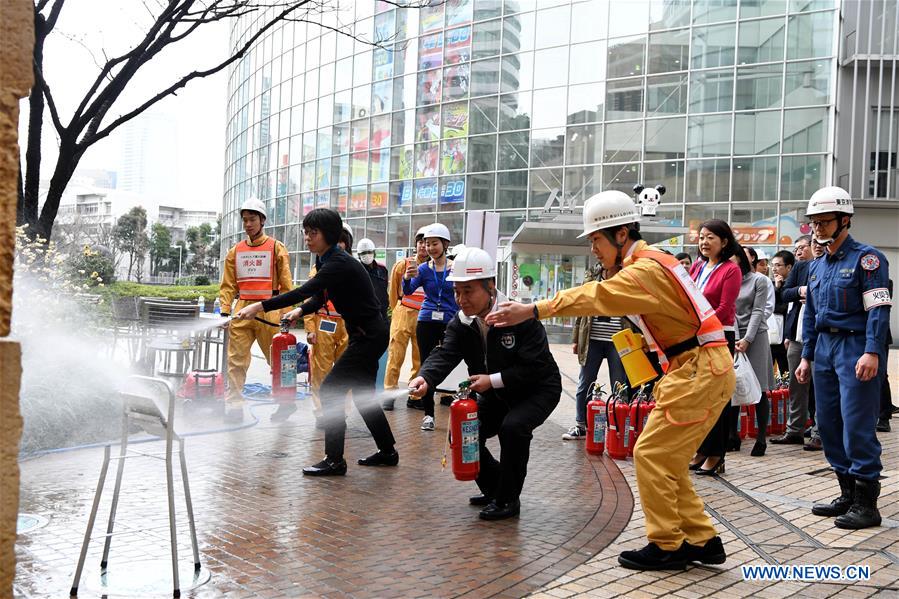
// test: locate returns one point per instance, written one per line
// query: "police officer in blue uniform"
(845, 329)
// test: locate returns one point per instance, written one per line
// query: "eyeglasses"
(821, 223)
(800, 247)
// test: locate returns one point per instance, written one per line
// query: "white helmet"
(472, 264)
(420, 234)
(255, 205)
(365, 245)
(830, 199)
(608, 209)
(455, 250)
(348, 229)
(761, 254)
(436, 230)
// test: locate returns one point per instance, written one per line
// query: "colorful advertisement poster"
(359, 168)
(431, 18)
(427, 127)
(323, 200)
(380, 132)
(308, 203)
(458, 45)
(458, 12)
(453, 156)
(426, 192)
(404, 199)
(744, 234)
(358, 200)
(407, 162)
(430, 52)
(323, 176)
(452, 191)
(377, 202)
(342, 200)
(456, 82)
(455, 120)
(426, 158)
(384, 27)
(380, 165)
(382, 64)
(429, 86)
(382, 97)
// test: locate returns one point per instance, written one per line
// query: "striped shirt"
(603, 327)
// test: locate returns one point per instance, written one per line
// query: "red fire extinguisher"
(743, 423)
(618, 417)
(773, 398)
(752, 428)
(639, 415)
(463, 435)
(284, 364)
(596, 421)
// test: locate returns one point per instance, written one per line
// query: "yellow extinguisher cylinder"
(636, 364)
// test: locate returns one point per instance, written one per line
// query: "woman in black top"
(344, 281)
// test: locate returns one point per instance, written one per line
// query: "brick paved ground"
(265, 531)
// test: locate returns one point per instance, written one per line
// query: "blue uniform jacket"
(439, 296)
(849, 292)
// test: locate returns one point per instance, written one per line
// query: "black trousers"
(886, 399)
(715, 442)
(428, 334)
(779, 355)
(514, 424)
(356, 370)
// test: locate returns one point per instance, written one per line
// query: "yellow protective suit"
(242, 333)
(325, 351)
(402, 329)
(689, 397)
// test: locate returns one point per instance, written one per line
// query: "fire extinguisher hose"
(449, 432)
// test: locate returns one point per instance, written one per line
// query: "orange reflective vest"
(710, 331)
(255, 266)
(328, 310)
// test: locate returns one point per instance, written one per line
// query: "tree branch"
(51, 104)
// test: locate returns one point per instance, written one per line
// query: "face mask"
(367, 259)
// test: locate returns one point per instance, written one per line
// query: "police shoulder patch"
(870, 262)
(507, 340)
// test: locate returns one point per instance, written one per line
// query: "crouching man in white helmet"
(511, 369)
(653, 290)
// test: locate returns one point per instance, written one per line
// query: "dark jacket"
(519, 353)
(789, 292)
(379, 280)
(343, 280)
(580, 334)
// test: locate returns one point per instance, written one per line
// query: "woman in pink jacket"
(719, 280)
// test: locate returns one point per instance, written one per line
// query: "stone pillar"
(16, 46)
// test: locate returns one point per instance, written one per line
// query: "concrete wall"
(16, 43)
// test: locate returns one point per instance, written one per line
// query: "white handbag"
(776, 329)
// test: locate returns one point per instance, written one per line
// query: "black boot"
(863, 513)
(841, 504)
(710, 553)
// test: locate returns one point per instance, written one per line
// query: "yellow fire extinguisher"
(637, 366)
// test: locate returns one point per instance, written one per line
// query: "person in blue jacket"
(438, 308)
(845, 326)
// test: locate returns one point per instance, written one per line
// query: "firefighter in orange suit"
(255, 269)
(403, 319)
(654, 290)
(326, 335)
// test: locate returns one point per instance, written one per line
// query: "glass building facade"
(518, 106)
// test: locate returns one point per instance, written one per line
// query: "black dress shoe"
(326, 468)
(718, 468)
(814, 444)
(480, 500)
(381, 458)
(284, 412)
(883, 425)
(788, 439)
(500, 511)
(710, 553)
(415, 404)
(652, 557)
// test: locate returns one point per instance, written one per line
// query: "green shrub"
(173, 292)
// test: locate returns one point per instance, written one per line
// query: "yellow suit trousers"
(402, 331)
(322, 355)
(241, 335)
(689, 399)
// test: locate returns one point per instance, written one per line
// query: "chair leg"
(190, 506)
(115, 493)
(169, 480)
(90, 522)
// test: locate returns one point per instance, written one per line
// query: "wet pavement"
(266, 531)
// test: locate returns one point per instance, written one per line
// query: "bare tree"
(98, 113)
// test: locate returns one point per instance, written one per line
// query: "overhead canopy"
(561, 235)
